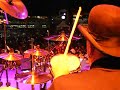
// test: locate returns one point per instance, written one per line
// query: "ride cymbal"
(61, 37)
(14, 8)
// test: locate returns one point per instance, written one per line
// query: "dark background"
(52, 7)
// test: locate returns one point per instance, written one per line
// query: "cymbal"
(61, 37)
(40, 52)
(8, 88)
(37, 52)
(38, 78)
(14, 8)
(11, 56)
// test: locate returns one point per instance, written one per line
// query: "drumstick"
(72, 32)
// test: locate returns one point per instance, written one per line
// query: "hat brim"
(113, 51)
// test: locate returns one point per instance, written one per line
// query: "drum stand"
(16, 72)
(33, 72)
(1, 83)
(5, 66)
(6, 22)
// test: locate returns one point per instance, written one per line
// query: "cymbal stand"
(3, 68)
(33, 72)
(7, 81)
(5, 22)
(16, 72)
(32, 69)
(48, 41)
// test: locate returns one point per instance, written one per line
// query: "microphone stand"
(48, 40)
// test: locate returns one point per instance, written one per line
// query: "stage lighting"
(63, 17)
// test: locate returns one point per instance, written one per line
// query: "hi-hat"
(40, 52)
(37, 52)
(14, 8)
(61, 37)
(38, 79)
(11, 56)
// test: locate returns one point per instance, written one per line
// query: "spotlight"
(63, 17)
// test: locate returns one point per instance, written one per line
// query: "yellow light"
(32, 81)
(64, 64)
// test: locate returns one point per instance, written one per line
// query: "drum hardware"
(17, 10)
(39, 57)
(36, 52)
(14, 8)
(1, 72)
(6, 67)
(10, 62)
(61, 37)
(38, 61)
(11, 56)
(39, 78)
(4, 23)
(5, 55)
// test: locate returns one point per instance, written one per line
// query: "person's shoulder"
(77, 81)
(89, 75)
(72, 81)
(75, 76)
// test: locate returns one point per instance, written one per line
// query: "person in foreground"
(103, 50)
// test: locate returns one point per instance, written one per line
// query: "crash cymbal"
(8, 88)
(11, 56)
(61, 37)
(38, 78)
(14, 8)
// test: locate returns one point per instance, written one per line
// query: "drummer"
(103, 46)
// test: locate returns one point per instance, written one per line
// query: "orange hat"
(104, 28)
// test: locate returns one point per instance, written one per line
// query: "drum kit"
(17, 9)
(38, 56)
